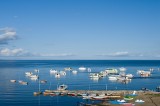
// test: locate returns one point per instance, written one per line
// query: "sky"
(80, 29)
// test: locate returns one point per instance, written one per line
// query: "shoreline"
(150, 98)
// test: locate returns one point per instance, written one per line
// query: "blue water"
(14, 94)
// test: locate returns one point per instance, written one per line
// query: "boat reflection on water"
(95, 79)
(124, 81)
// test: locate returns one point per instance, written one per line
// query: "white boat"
(82, 68)
(34, 79)
(39, 91)
(20, 81)
(28, 73)
(62, 73)
(43, 81)
(111, 71)
(23, 83)
(74, 71)
(89, 96)
(68, 69)
(36, 70)
(34, 76)
(12, 80)
(94, 75)
(129, 75)
(98, 97)
(139, 101)
(57, 75)
(122, 69)
(102, 73)
(62, 87)
(144, 73)
(53, 71)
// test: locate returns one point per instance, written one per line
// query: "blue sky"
(80, 29)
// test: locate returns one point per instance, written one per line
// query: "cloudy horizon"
(84, 30)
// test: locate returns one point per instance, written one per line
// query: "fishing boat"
(143, 73)
(12, 80)
(34, 76)
(28, 73)
(36, 70)
(103, 74)
(53, 71)
(23, 83)
(111, 71)
(89, 96)
(57, 75)
(68, 69)
(20, 81)
(94, 75)
(129, 75)
(39, 91)
(98, 97)
(43, 81)
(62, 87)
(122, 69)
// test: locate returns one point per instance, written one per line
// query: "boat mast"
(39, 86)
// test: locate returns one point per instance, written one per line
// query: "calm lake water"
(14, 94)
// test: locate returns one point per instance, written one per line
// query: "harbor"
(79, 83)
(111, 98)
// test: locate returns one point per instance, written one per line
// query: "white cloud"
(12, 52)
(116, 54)
(7, 34)
(19, 52)
(57, 55)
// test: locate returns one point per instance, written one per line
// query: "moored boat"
(53, 71)
(57, 75)
(34, 76)
(62, 73)
(28, 73)
(111, 71)
(12, 80)
(43, 81)
(39, 91)
(62, 87)
(23, 83)
(68, 69)
(94, 75)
